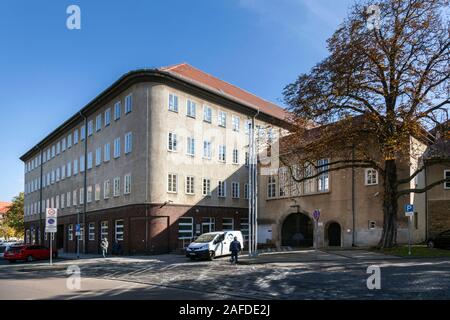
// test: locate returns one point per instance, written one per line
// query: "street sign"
(316, 214)
(409, 210)
(78, 230)
(51, 218)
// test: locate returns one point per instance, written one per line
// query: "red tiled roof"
(187, 71)
(4, 206)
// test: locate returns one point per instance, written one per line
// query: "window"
(207, 149)
(246, 191)
(172, 142)
(128, 142)
(371, 177)
(89, 194)
(58, 148)
(185, 228)
(69, 169)
(48, 158)
(107, 152)
(235, 122)
(44, 160)
(222, 189)
(447, 176)
(75, 136)
(106, 189)
(81, 196)
(98, 156)
(74, 197)
(70, 232)
(89, 160)
(117, 110)
(222, 119)
(98, 123)
(97, 192)
(190, 108)
(116, 191)
(173, 102)
(53, 151)
(90, 128)
(244, 228)
(69, 202)
(206, 191)
(207, 114)
(56, 203)
(82, 163)
(128, 103)
(322, 180)
(190, 185)
(190, 148)
(107, 117)
(63, 172)
(116, 148)
(208, 225)
(372, 225)
(227, 224)
(222, 153)
(271, 187)
(172, 183)
(235, 190)
(104, 230)
(235, 156)
(83, 132)
(309, 183)
(63, 201)
(119, 230)
(91, 230)
(127, 184)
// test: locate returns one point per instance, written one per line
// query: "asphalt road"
(337, 276)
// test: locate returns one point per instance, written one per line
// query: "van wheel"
(30, 258)
(211, 255)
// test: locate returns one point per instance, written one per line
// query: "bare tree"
(379, 86)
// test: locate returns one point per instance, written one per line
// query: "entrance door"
(334, 234)
(138, 235)
(60, 237)
(297, 231)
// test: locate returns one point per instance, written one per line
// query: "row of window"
(186, 226)
(93, 193)
(80, 134)
(65, 171)
(103, 232)
(190, 187)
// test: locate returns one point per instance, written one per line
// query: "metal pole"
(78, 236)
(51, 249)
(409, 235)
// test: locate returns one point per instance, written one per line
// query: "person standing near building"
(104, 246)
(235, 247)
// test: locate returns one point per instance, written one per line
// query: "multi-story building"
(154, 160)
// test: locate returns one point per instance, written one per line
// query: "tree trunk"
(389, 235)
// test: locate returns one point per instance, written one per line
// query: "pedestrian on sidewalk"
(235, 247)
(104, 246)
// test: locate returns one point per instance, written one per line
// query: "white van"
(213, 244)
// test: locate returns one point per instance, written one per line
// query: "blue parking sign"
(409, 208)
(77, 230)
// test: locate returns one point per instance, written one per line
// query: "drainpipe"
(426, 204)
(85, 182)
(147, 179)
(252, 212)
(353, 200)
(41, 239)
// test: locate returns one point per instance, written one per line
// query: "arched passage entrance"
(297, 231)
(334, 234)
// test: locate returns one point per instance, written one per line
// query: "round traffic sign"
(316, 214)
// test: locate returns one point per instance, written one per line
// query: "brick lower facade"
(147, 229)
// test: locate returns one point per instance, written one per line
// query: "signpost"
(316, 216)
(409, 212)
(51, 216)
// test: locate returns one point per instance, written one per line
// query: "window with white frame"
(116, 191)
(81, 199)
(235, 122)
(58, 148)
(82, 133)
(119, 230)
(89, 194)
(222, 189)
(90, 128)
(189, 185)
(227, 224)
(222, 119)
(172, 183)
(97, 192)
(207, 149)
(89, 160)
(63, 201)
(63, 172)
(323, 179)
(48, 157)
(308, 185)
(116, 148)
(91, 230)
(185, 228)
(98, 122)
(74, 197)
(271, 187)
(371, 177)
(106, 189)
(190, 108)
(235, 194)
(107, 152)
(69, 200)
(246, 190)
(82, 162)
(107, 117)
(206, 187)
(172, 142)
(58, 174)
(56, 202)
(235, 156)
(446, 176)
(190, 146)
(128, 103)
(283, 181)
(70, 232)
(104, 230)
(222, 153)
(128, 142)
(98, 156)
(117, 110)
(244, 228)
(173, 102)
(53, 151)
(75, 167)
(75, 136)
(207, 113)
(127, 184)
(69, 169)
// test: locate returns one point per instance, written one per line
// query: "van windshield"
(207, 237)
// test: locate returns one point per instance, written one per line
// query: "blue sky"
(48, 72)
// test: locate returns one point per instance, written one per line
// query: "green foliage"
(14, 216)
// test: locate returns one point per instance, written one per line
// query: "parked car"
(441, 241)
(3, 248)
(213, 244)
(28, 253)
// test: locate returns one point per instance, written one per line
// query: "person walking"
(235, 247)
(104, 246)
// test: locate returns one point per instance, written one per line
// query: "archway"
(297, 231)
(334, 234)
